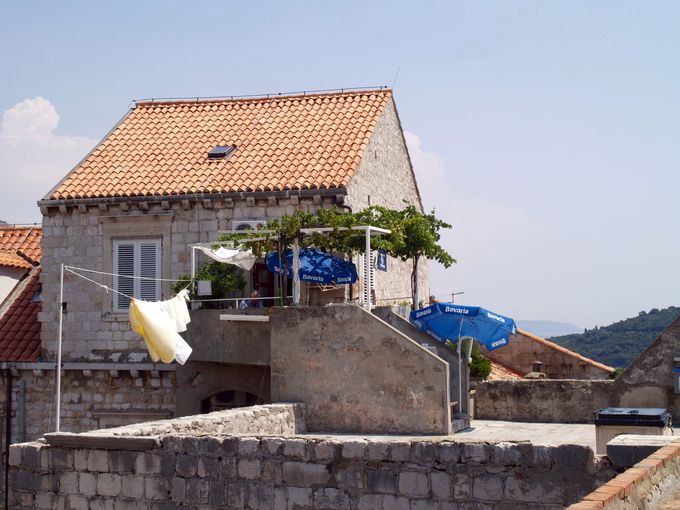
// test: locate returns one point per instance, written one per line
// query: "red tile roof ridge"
(261, 97)
(558, 347)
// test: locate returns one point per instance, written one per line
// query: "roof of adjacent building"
(20, 242)
(564, 350)
(500, 372)
(19, 326)
(294, 142)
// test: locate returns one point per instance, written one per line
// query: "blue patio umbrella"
(316, 266)
(449, 321)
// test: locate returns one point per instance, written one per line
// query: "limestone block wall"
(547, 400)
(87, 401)
(296, 472)
(355, 373)
(81, 237)
(385, 177)
(558, 363)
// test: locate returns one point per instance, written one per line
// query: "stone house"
(527, 351)
(150, 189)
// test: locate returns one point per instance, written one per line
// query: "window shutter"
(149, 258)
(124, 264)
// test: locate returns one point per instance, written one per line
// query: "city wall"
(198, 462)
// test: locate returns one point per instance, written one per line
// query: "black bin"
(633, 417)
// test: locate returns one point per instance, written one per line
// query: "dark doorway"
(229, 399)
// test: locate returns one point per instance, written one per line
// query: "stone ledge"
(627, 450)
(101, 442)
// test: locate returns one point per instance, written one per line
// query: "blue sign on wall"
(381, 261)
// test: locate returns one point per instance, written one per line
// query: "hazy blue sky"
(547, 133)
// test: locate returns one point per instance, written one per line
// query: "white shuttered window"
(134, 258)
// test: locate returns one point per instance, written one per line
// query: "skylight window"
(221, 152)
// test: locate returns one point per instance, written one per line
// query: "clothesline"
(71, 269)
(126, 275)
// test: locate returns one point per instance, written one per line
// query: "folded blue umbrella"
(316, 266)
(449, 321)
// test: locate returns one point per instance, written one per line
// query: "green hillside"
(620, 343)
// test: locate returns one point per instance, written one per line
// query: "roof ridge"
(148, 102)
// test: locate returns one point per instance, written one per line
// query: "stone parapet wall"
(562, 401)
(301, 472)
(356, 373)
(648, 485)
(286, 419)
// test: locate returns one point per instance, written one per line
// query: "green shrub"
(223, 278)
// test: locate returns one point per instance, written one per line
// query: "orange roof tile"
(283, 142)
(19, 326)
(23, 241)
(500, 372)
(10, 259)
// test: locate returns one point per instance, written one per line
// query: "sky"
(546, 133)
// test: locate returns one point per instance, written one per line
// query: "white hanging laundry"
(178, 311)
(240, 258)
(159, 330)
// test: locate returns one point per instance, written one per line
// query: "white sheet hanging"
(159, 323)
(177, 309)
(243, 259)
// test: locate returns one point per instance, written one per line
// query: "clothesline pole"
(193, 271)
(58, 367)
(367, 271)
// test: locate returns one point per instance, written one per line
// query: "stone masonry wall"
(548, 400)
(76, 238)
(356, 373)
(385, 177)
(86, 398)
(297, 472)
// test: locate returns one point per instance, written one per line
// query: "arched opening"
(229, 399)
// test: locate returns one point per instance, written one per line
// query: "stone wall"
(650, 484)
(81, 237)
(207, 470)
(88, 401)
(355, 373)
(385, 177)
(647, 382)
(547, 400)
(558, 363)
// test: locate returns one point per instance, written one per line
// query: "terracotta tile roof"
(23, 241)
(19, 326)
(283, 142)
(500, 372)
(9, 259)
(564, 350)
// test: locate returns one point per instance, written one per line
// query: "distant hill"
(547, 329)
(620, 343)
